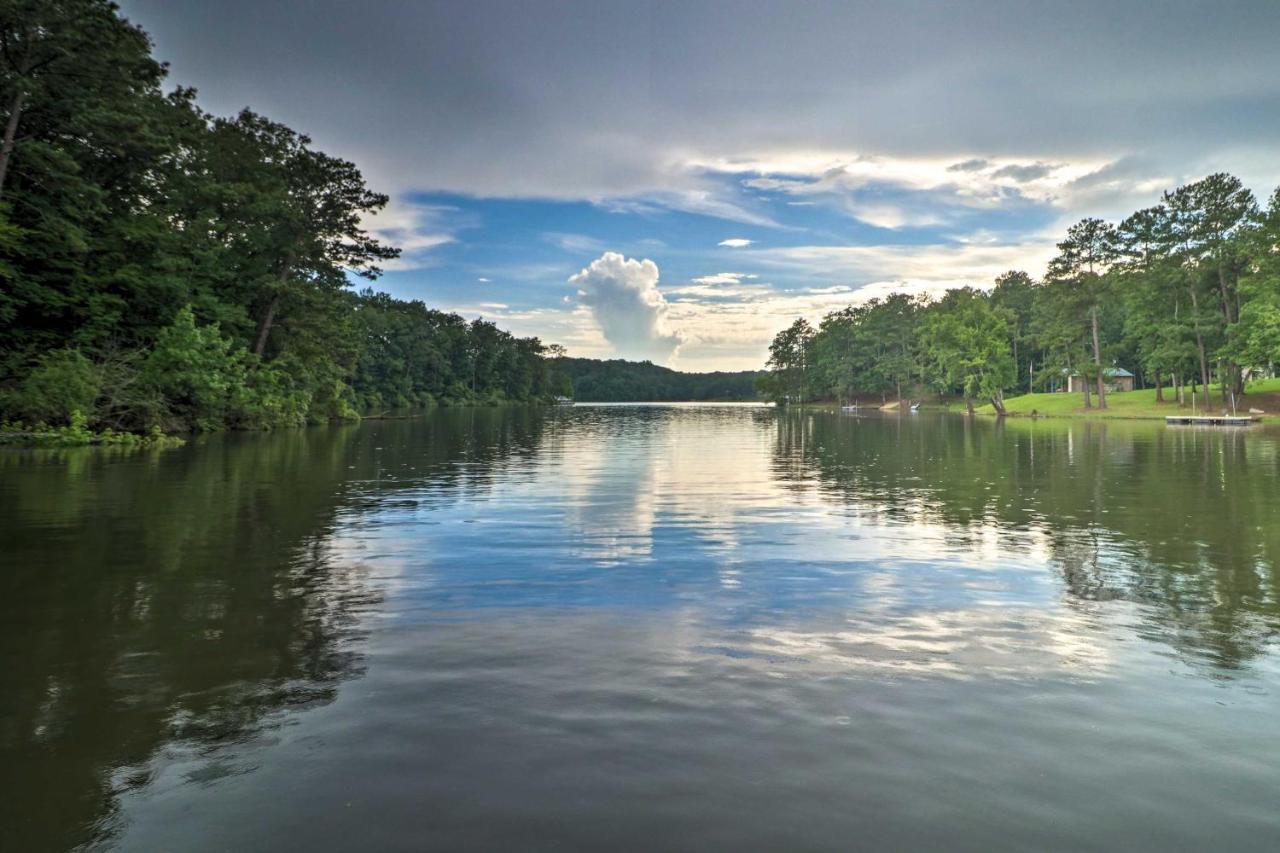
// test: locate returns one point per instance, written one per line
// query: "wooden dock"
(1210, 420)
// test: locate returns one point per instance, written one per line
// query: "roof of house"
(1109, 372)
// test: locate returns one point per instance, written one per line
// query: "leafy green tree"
(63, 382)
(1255, 340)
(65, 63)
(1060, 336)
(83, 129)
(967, 344)
(1083, 260)
(1014, 298)
(200, 373)
(789, 357)
(1212, 217)
(1154, 310)
(892, 323)
(306, 210)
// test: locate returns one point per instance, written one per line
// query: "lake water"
(649, 628)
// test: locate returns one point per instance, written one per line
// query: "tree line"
(162, 267)
(1184, 293)
(615, 380)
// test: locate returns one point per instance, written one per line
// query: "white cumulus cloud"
(735, 242)
(623, 296)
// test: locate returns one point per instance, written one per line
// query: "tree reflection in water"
(185, 600)
(1178, 521)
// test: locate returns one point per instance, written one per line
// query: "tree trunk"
(1017, 374)
(264, 328)
(1084, 384)
(269, 318)
(10, 135)
(1195, 323)
(1226, 298)
(1179, 393)
(998, 404)
(1159, 388)
(1231, 372)
(1097, 358)
(968, 405)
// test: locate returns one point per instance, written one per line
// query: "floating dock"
(1210, 420)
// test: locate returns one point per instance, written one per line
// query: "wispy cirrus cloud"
(417, 229)
(930, 268)
(578, 243)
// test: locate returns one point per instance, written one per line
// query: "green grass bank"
(1263, 394)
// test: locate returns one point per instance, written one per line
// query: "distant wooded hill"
(616, 380)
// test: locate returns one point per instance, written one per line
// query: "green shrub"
(271, 399)
(63, 382)
(200, 374)
(77, 434)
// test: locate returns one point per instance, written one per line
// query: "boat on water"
(564, 401)
(915, 407)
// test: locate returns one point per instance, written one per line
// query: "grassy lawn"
(1263, 394)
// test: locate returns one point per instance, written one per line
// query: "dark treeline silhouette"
(616, 380)
(1183, 293)
(162, 267)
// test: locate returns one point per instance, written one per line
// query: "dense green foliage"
(164, 268)
(77, 434)
(615, 380)
(1183, 293)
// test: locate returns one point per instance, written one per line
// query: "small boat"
(852, 408)
(915, 407)
(564, 401)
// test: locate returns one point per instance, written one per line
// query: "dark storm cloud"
(599, 99)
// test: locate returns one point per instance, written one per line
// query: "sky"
(678, 181)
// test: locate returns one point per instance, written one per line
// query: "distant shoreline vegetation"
(165, 270)
(1182, 299)
(620, 381)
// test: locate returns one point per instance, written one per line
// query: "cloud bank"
(535, 99)
(631, 312)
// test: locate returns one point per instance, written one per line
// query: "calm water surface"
(693, 628)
